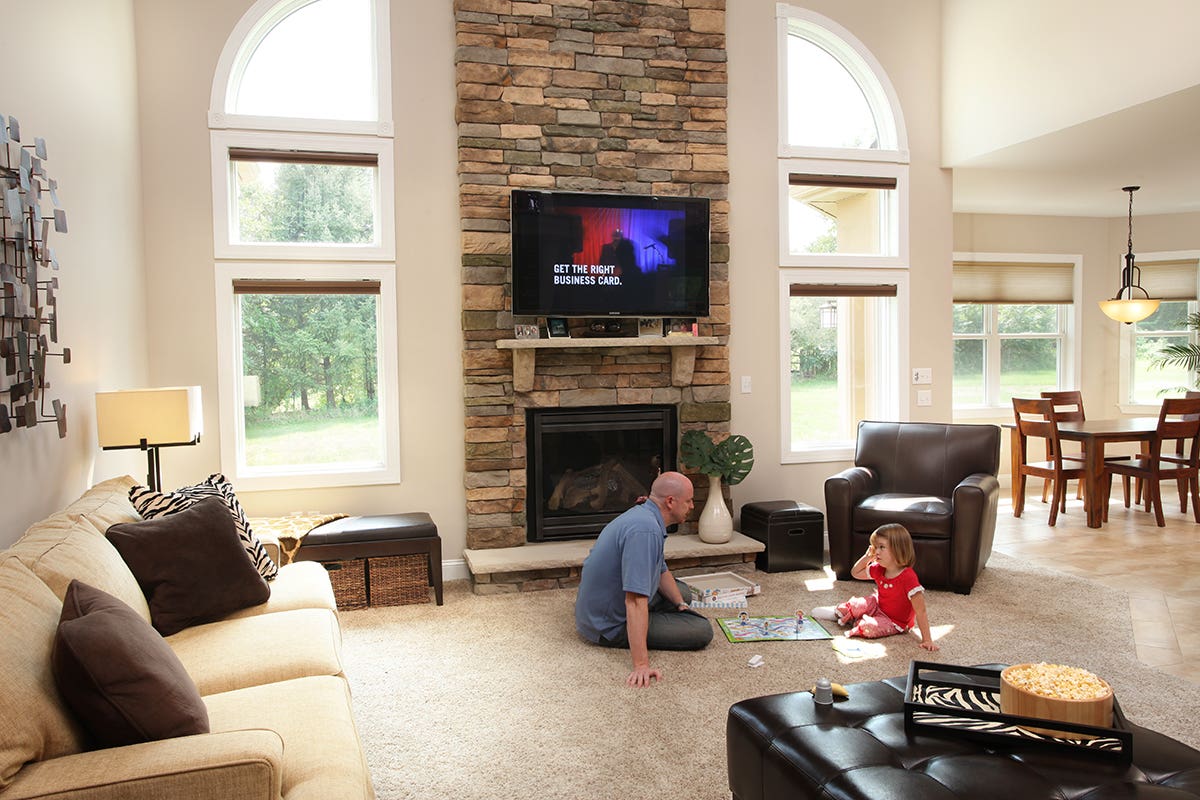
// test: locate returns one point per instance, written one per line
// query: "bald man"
(627, 596)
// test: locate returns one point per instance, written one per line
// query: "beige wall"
(906, 40)
(179, 43)
(69, 78)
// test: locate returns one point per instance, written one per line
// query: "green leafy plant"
(1186, 355)
(730, 459)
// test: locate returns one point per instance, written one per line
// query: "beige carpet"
(496, 697)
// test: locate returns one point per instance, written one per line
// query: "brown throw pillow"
(191, 566)
(122, 681)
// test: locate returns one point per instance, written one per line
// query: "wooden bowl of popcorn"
(1056, 692)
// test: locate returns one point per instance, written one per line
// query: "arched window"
(843, 250)
(303, 233)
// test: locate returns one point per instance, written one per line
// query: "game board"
(744, 628)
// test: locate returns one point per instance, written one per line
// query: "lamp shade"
(1129, 310)
(166, 416)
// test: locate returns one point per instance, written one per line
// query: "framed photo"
(556, 327)
(679, 326)
(527, 331)
(650, 327)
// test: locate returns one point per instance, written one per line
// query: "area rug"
(497, 697)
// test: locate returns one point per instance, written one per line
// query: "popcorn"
(1057, 681)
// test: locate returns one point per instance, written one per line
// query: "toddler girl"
(899, 599)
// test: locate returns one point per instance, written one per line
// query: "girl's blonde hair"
(898, 539)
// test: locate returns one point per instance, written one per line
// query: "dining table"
(1093, 435)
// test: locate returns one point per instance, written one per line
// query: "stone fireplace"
(625, 96)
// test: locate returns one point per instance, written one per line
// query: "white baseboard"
(455, 570)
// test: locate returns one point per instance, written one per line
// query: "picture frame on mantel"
(556, 327)
(650, 327)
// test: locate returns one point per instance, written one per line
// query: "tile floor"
(1158, 567)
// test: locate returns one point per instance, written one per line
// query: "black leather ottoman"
(786, 746)
(377, 536)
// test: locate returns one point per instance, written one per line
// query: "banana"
(837, 689)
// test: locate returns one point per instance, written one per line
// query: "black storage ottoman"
(794, 534)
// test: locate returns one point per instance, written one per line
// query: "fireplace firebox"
(587, 465)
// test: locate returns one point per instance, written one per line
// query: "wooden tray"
(964, 702)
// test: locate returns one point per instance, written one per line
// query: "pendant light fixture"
(1132, 308)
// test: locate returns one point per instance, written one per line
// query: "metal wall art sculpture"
(28, 287)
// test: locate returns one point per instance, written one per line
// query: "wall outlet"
(925, 397)
(745, 384)
(922, 375)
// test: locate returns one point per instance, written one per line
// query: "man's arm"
(637, 626)
(669, 589)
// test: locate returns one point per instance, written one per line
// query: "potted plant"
(730, 460)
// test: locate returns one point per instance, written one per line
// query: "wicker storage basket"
(349, 579)
(398, 580)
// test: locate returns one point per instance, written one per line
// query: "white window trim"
(863, 67)
(896, 238)
(239, 48)
(1125, 377)
(864, 277)
(229, 369)
(384, 249)
(1072, 354)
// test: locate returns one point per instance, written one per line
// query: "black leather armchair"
(938, 480)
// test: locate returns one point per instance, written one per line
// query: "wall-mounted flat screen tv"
(592, 255)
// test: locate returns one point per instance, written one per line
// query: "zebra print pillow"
(151, 504)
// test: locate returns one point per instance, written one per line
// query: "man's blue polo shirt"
(628, 557)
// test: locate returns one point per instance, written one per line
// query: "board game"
(798, 627)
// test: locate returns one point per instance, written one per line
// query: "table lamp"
(149, 419)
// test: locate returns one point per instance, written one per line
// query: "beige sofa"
(271, 678)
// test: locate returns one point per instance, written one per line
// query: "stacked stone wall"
(580, 95)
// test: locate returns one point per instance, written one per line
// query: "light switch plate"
(922, 375)
(925, 397)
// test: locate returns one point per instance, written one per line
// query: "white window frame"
(224, 205)
(239, 49)
(229, 371)
(894, 228)
(1126, 356)
(893, 386)
(1070, 354)
(854, 56)
(992, 339)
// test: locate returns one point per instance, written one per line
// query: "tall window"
(843, 360)
(302, 184)
(1012, 327)
(843, 254)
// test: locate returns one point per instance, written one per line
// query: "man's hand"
(643, 676)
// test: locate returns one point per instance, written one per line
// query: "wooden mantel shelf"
(683, 353)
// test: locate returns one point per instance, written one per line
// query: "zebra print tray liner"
(964, 702)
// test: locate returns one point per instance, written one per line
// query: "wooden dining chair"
(1036, 417)
(1181, 484)
(1068, 407)
(1179, 418)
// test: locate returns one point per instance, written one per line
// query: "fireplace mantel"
(683, 353)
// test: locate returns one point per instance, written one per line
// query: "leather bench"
(787, 746)
(377, 536)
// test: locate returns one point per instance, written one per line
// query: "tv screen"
(591, 255)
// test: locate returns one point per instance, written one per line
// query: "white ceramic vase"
(716, 523)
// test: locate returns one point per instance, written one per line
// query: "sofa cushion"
(107, 498)
(64, 547)
(236, 653)
(190, 565)
(117, 674)
(322, 755)
(34, 722)
(151, 504)
(301, 584)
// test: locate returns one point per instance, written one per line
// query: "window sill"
(259, 481)
(819, 455)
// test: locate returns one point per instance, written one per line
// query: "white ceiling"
(1079, 170)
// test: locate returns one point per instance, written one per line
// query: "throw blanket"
(290, 530)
